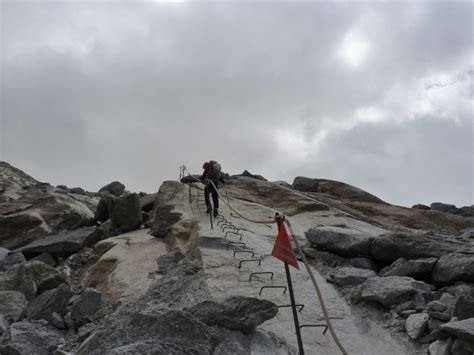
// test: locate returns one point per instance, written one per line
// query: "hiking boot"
(216, 213)
(209, 210)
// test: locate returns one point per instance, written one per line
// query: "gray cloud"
(375, 94)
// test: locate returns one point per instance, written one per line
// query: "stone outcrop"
(236, 313)
(116, 188)
(125, 213)
(341, 241)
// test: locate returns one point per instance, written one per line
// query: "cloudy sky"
(377, 94)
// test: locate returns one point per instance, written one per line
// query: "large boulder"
(116, 188)
(392, 290)
(63, 243)
(236, 313)
(463, 329)
(125, 213)
(454, 267)
(350, 276)
(21, 228)
(389, 247)
(419, 269)
(341, 241)
(31, 337)
(12, 304)
(49, 302)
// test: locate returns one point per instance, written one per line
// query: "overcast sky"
(377, 94)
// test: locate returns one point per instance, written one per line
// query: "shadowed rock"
(125, 213)
(341, 241)
(419, 269)
(43, 306)
(238, 312)
(350, 276)
(63, 243)
(116, 188)
(89, 302)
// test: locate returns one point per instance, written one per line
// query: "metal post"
(293, 308)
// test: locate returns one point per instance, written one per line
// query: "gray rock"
(460, 289)
(305, 184)
(464, 308)
(440, 347)
(443, 207)
(416, 325)
(50, 281)
(125, 213)
(147, 201)
(12, 259)
(236, 313)
(389, 247)
(116, 188)
(3, 324)
(420, 206)
(364, 263)
(417, 303)
(28, 288)
(20, 228)
(419, 269)
(349, 276)
(392, 290)
(253, 176)
(57, 321)
(49, 302)
(17, 277)
(102, 209)
(31, 338)
(462, 347)
(12, 304)
(106, 229)
(435, 324)
(341, 241)
(436, 306)
(407, 313)
(325, 257)
(3, 253)
(63, 243)
(454, 267)
(444, 316)
(89, 302)
(463, 329)
(46, 258)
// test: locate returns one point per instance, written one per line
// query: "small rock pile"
(423, 281)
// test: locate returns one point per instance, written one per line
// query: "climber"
(212, 172)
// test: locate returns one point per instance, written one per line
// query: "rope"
(318, 292)
(306, 264)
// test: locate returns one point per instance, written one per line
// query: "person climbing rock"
(212, 173)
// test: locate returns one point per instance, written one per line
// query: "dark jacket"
(211, 174)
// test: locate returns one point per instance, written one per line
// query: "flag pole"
(293, 307)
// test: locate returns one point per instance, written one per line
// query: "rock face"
(392, 290)
(12, 304)
(463, 329)
(419, 269)
(416, 325)
(49, 302)
(454, 267)
(349, 276)
(63, 243)
(237, 313)
(390, 247)
(116, 188)
(342, 241)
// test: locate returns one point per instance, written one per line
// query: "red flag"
(282, 249)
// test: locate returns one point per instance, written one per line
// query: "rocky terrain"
(116, 272)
